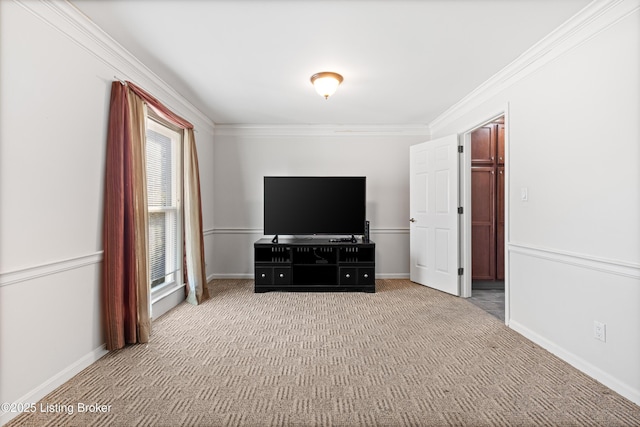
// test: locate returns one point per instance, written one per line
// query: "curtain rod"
(124, 83)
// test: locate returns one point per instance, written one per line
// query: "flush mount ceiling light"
(326, 83)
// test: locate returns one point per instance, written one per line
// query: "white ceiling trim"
(591, 20)
(259, 130)
(68, 20)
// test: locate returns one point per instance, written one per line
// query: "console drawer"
(282, 275)
(264, 276)
(366, 276)
(348, 275)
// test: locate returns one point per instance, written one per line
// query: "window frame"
(176, 134)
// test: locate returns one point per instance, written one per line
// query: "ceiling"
(404, 62)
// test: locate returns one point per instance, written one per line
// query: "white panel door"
(433, 207)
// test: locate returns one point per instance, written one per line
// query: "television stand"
(314, 265)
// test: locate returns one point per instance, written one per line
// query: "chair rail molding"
(55, 267)
(610, 266)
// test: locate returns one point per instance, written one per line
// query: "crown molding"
(365, 130)
(596, 17)
(68, 20)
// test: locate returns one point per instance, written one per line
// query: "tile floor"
(489, 297)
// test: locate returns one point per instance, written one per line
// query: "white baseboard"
(577, 362)
(54, 382)
(383, 276)
(236, 276)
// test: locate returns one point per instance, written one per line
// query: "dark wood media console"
(314, 265)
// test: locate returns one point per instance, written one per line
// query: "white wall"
(574, 246)
(573, 136)
(244, 155)
(54, 94)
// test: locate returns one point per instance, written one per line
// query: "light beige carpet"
(404, 356)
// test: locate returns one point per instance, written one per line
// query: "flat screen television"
(306, 205)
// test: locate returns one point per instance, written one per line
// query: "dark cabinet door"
(366, 276)
(264, 275)
(483, 232)
(500, 225)
(348, 275)
(282, 275)
(483, 145)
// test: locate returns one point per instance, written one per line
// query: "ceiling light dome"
(326, 83)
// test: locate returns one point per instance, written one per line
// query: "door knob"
(412, 219)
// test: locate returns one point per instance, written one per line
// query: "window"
(164, 193)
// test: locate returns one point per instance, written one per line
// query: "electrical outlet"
(600, 331)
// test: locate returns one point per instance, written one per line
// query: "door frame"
(465, 200)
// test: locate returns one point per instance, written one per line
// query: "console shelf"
(316, 265)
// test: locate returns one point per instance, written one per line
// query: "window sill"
(164, 292)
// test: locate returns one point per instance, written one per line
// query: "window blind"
(163, 208)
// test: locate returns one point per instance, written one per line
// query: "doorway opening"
(487, 223)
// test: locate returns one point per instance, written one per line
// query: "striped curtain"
(195, 276)
(125, 284)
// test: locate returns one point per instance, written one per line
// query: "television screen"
(314, 205)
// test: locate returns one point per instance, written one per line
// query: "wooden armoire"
(487, 200)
